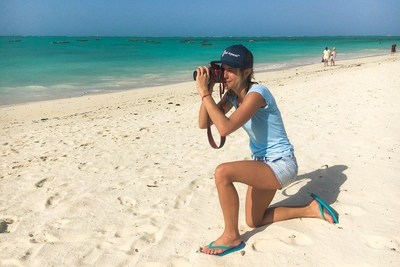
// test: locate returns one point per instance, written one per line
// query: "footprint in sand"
(382, 243)
(5, 225)
(285, 239)
(9, 224)
(186, 195)
(42, 237)
(183, 199)
(55, 199)
(91, 257)
(143, 243)
(297, 239)
(43, 181)
(126, 201)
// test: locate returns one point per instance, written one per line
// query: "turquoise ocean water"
(39, 68)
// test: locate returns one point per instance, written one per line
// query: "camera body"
(216, 72)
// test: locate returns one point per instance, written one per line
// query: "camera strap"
(211, 138)
(209, 133)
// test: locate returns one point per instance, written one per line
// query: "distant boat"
(60, 42)
(14, 40)
(187, 41)
(152, 42)
(82, 40)
(205, 43)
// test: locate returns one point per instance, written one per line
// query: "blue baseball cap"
(237, 56)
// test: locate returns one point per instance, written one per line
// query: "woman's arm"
(227, 125)
(203, 115)
(251, 103)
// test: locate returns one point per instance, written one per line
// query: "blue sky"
(199, 17)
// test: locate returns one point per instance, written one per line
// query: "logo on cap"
(229, 53)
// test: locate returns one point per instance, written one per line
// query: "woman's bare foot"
(316, 212)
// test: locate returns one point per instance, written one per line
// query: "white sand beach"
(126, 179)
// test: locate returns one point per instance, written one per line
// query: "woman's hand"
(203, 81)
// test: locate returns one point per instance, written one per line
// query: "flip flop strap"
(218, 247)
(321, 209)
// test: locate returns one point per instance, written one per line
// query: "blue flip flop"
(227, 249)
(323, 205)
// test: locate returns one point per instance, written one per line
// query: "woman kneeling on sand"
(274, 164)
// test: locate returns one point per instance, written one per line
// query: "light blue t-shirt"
(267, 133)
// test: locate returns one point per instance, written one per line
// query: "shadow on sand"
(325, 182)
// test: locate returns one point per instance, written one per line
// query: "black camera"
(216, 73)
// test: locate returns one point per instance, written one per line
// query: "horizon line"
(205, 36)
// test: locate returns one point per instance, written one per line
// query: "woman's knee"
(252, 223)
(222, 173)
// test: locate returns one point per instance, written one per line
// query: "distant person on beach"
(393, 50)
(333, 57)
(273, 165)
(325, 56)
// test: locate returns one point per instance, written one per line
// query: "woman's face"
(235, 79)
(231, 76)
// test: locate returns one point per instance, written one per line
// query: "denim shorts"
(284, 168)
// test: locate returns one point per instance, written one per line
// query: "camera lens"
(194, 75)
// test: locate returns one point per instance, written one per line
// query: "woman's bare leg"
(247, 172)
(258, 214)
(262, 188)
